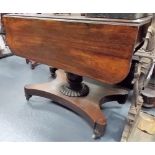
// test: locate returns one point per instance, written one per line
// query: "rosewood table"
(97, 48)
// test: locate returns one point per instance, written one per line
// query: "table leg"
(53, 72)
(32, 63)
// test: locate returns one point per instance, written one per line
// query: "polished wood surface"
(97, 49)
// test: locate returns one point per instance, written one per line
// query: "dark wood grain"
(99, 50)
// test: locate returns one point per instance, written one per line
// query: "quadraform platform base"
(89, 107)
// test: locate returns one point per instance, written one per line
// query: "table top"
(101, 49)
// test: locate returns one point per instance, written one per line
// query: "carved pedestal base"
(74, 86)
(89, 107)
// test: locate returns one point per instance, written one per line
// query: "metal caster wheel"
(95, 136)
(27, 61)
(33, 66)
(28, 97)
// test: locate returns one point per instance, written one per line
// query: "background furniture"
(4, 50)
(149, 93)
